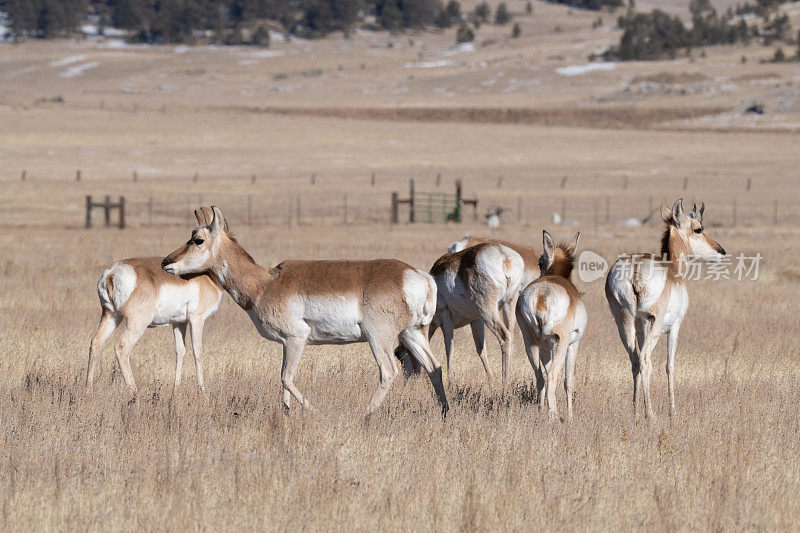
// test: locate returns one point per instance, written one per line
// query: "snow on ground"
(432, 64)
(577, 70)
(79, 69)
(67, 61)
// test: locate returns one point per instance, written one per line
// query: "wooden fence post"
(121, 212)
(88, 211)
(78, 175)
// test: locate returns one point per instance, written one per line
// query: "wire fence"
(586, 199)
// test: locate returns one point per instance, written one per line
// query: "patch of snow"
(182, 49)
(67, 61)
(267, 53)
(432, 64)
(460, 49)
(23, 70)
(119, 44)
(577, 70)
(79, 69)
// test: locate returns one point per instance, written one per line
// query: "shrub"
(501, 16)
(464, 34)
(260, 37)
(516, 31)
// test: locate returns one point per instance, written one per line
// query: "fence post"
(107, 210)
(78, 175)
(749, 182)
(196, 176)
(253, 179)
(499, 182)
(411, 217)
(88, 211)
(563, 182)
(24, 175)
(121, 212)
(135, 177)
(438, 178)
(313, 178)
(394, 217)
(372, 179)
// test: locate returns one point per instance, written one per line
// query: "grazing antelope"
(321, 302)
(139, 292)
(552, 319)
(476, 286)
(647, 295)
(529, 255)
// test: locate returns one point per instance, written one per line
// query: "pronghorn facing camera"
(530, 256)
(477, 286)
(647, 295)
(140, 294)
(552, 319)
(321, 302)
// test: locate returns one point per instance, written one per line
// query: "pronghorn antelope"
(529, 255)
(552, 319)
(321, 302)
(647, 295)
(477, 286)
(139, 292)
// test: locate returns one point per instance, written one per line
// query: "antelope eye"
(699, 230)
(198, 242)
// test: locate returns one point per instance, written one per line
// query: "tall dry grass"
(231, 458)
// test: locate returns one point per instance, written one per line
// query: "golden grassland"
(345, 109)
(232, 458)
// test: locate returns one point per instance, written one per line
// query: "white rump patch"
(123, 281)
(417, 287)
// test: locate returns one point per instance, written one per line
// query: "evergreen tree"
(501, 16)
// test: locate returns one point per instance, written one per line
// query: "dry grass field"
(345, 109)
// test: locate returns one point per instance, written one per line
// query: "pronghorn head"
(459, 244)
(688, 230)
(200, 252)
(558, 260)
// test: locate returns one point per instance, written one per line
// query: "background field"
(231, 457)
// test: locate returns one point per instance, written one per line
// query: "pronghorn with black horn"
(321, 302)
(552, 319)
(647, 295)
(478, 286)
(138, 292)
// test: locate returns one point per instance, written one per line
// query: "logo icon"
(591, 266)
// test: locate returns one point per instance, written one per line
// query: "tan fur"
(478, 300)
(530, 256)
(139, 310)
(321, 302)
(640, 306)
(550, 344)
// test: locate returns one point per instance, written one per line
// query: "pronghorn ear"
(573, 245)
(547, 243)
(201, 219)
(208, 215)
(218, 224)
(702, 208)
(678, 216)
(666, 212)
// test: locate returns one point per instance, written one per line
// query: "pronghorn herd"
(396, 308)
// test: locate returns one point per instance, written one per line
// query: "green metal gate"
(433, 207)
